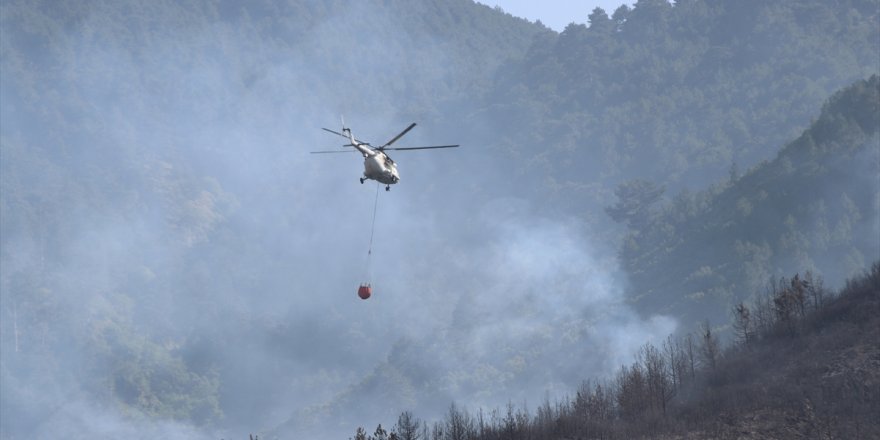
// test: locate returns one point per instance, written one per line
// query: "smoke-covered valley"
(180, 219)
(175, 264)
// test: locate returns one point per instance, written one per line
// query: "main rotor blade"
(334, 132)
(422, 148)
(333, 151)
(405, 131)
(340, 134)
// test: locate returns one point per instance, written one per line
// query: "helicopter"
(378, 165)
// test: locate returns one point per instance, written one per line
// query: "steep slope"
(815, 376)
(814, 206)
(822, 381)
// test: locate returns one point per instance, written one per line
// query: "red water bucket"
(364, 291)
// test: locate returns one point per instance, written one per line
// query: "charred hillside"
(807, 365)
(812, 377)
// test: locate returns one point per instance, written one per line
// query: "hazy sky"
(555, 14)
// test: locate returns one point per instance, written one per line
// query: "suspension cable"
(373, 225)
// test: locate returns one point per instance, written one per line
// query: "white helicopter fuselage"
(377, 165)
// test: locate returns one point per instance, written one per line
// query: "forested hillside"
(814, 207)
(174, 264)
(674, 93)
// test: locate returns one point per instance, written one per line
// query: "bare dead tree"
(631, 392)
(544, 419)
(691, 354)
(788, 299)
(523, 425)
(799, 295)
(709, 347)
(815, 289)
(675, 358)
(762, 314)
(657, 376)
(437, 431)
(407, 427)
(482, 426)
(457, 422)
(360, 434)
(380, 433)
(508, 424)
(426, 433)
(742, 323)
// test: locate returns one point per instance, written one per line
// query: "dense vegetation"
(803, 367)
(676, 94)
(156, 223)
(814, 206)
